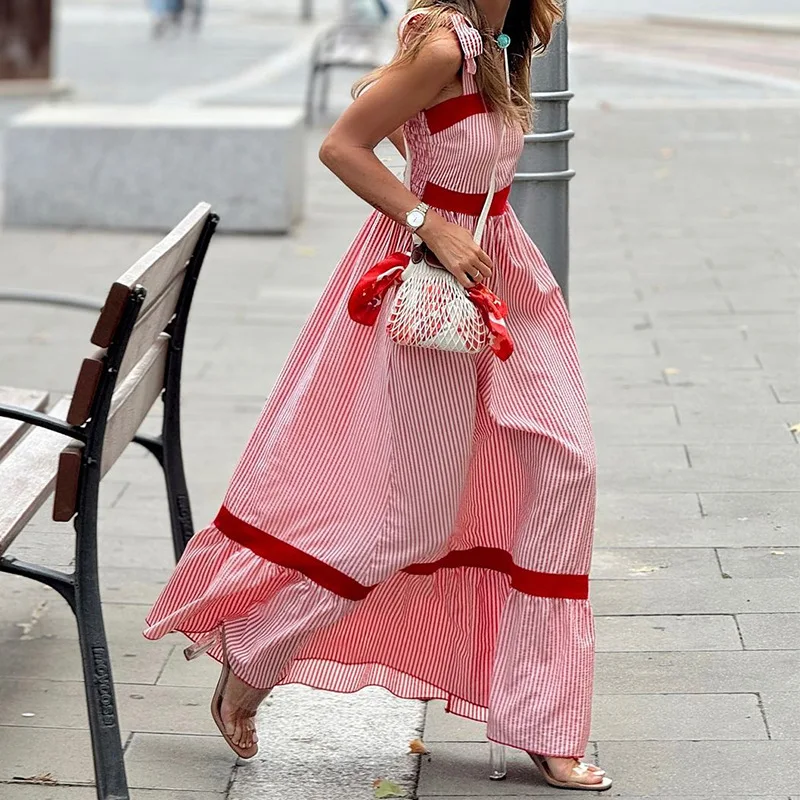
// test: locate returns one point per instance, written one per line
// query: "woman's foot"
(571, 773)
(572, 770)
(234, 707)
(237, 710)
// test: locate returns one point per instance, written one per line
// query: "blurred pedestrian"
(167, 14)
(408, 516)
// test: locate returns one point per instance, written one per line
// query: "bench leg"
(109, 764)
(170, 457)
(107, 752)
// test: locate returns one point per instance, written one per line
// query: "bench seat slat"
(27, 476)
(11, 430)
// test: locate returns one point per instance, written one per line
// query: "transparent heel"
(497, 761)
(203, 645)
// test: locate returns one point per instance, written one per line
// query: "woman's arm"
(348, 150)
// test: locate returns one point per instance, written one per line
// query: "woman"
(410, 518)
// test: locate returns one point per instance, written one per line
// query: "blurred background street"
(684, 293)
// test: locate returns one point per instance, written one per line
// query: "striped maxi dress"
(410, 518)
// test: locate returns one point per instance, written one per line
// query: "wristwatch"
(415, 218)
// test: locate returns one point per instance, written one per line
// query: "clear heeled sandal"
(498, 770)
(248, 702)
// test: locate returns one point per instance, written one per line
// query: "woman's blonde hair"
(529, 23)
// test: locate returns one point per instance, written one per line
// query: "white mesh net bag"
(432, 309)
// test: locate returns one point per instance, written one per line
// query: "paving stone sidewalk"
(684, 294)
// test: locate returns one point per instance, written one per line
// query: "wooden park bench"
(140, 335)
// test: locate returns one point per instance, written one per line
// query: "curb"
(788, 27)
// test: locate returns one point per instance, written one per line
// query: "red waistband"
(463, 203)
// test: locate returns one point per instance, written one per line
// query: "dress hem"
(446, 696)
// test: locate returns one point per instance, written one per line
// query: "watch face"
(415, 218)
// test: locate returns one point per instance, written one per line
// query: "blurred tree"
(25, 36)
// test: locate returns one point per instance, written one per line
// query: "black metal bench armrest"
(48, 299)
(41, 420)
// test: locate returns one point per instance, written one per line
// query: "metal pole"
(540, 194)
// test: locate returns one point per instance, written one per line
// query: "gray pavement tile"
(461, 770)
(713, 355)
(666, 633)
(142, 708)
(132, 584)
(690, 564)
(643, 468)
(767, 423)
(177, 671)
(676, 717)
(706, 672)
(760, 562)
(646, 506)
(635, 424)
(133, 661)
(782, 710)
(443, 727)
(20, 791)
(786, 390)
(164, 761)
(744, 301)
(708, 532)
(666, 769)
(770, 631)
(620, 345)
(64, 753)
(750, 467)
(739, 596)
(123, 623)
(622, 373)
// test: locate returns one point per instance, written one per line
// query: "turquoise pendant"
(503, 41)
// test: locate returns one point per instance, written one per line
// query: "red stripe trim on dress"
(464, 202)
(283, 554)
(449, 112)
(526, 581)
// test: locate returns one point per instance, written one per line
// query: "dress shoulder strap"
(469, 37)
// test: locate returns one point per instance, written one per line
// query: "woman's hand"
(456, 249)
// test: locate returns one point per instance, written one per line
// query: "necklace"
(503, 40)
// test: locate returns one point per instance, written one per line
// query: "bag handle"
(484, 215)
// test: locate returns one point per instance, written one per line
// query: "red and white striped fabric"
(410, 518)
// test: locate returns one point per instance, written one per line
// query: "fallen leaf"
(43, 778)
(384, 788)
(417, 746)
(305, 250)
(777, 553)
(663, 173)
(667, 152)
(648, 568)
(672, 371)
(795, 428)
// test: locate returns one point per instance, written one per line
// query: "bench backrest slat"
(10, 429)
(154, 271)
(162, 272)
(147, 329)
(132, 401)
